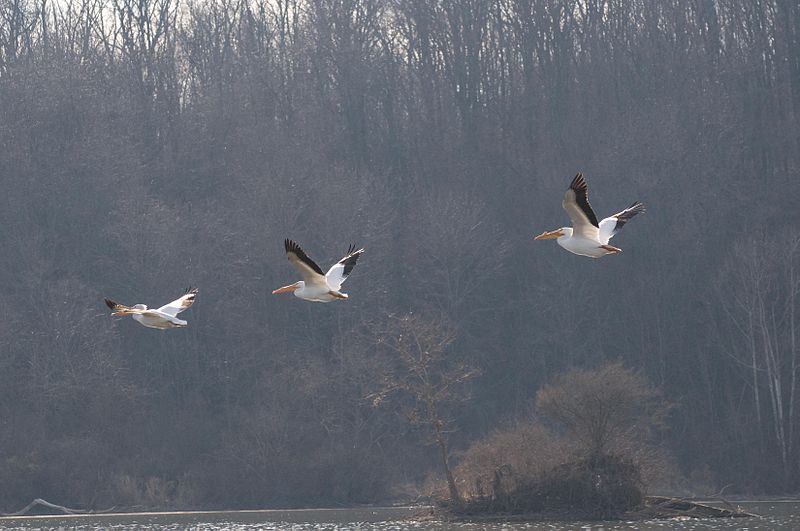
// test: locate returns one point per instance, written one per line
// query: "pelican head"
(550, 234)
(290, 288)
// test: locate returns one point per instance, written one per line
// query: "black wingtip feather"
(349, 261)
(111, 304)
(579, 186)
(578, 183)
(292, 247)
(638, 207)
(628, 213)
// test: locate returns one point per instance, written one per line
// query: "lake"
(775, 515)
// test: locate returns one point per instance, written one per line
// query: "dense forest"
(149, 145)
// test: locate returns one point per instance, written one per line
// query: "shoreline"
(376, 513)
(221, 514)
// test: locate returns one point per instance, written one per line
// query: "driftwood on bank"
(45, 503)
(666, 507)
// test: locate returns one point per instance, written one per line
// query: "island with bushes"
(587, 451)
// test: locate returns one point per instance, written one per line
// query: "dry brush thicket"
(588, 449)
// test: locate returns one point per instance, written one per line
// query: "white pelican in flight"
(587, 237)
(161, 318)
(317, 286)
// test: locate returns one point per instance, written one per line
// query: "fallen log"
(666, 507)
(45, 503)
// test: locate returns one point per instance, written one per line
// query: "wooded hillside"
(148, 145)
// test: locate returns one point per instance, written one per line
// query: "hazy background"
(148, 145)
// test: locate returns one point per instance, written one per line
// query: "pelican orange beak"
(549, 235)
(286, 289)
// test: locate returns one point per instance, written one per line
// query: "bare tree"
(422, 370)
(759, 291)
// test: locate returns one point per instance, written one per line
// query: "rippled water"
(775, 515)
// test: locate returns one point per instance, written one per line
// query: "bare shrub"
(596, 487)
(603, 409)
(508, 459)
(151, 492)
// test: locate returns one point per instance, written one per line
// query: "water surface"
(774, 515)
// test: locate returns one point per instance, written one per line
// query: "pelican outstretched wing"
(576, 203)
(339, 272)
(308, 268)
(612, 224)
(180, 304)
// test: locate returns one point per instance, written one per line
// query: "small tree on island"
(419, 369)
